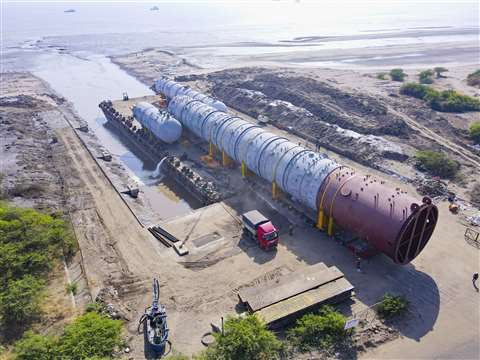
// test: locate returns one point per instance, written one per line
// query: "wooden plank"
(160, 238)
(252, 291)
(328, 293)
(165, 233)
(301, 282)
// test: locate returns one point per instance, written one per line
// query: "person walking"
(474, 281)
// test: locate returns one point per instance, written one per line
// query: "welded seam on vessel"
(328, 178)
(286, 172)
(216, 128)
(237, 141)
(267, 144)
(205, 120)
(280, 160)
(226, 129)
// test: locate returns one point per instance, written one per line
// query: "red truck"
(256, 225)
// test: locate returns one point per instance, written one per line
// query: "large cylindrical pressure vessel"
(162, 125)
(171, 88)
(296, 170)
(390, 219)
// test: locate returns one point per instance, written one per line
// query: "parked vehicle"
(257, 226)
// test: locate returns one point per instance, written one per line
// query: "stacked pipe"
(389, 219)
(162, 125)
(172, 89)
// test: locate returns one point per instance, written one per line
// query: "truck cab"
(257, 226)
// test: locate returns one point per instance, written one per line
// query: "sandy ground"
(120, 257)
(438, 282)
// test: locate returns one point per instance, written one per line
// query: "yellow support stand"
(320, 220)
(244, 169)
(274, 190)
(330, 226)
(225, 159)
(211, 150)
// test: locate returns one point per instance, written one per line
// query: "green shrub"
(30, 244)
(475, 132)
(95, 307)
(439, 70)
(71, 288)
(392, 306)
(473, 79)
(397, 75)
(90, 335)
(382, 76)
(436, 164)
(318, 330)
(446, 101)
(20, 302)
(425, 77)
(34, 346)
(245, 338)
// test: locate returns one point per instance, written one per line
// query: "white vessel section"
(295, 169)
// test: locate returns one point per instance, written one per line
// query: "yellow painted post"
(211, 150)
(330, 226)
(225, 160)
(320, 220)
(274, 190)
(244, 172)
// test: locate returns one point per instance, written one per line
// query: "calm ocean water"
(108, 28)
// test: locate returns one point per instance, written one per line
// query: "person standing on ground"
(474, 281)
(359, 261)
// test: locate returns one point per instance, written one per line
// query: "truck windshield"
(270, 236)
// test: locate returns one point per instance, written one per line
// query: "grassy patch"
(437, 164)
(71, 288)
(446, 101)
(322, 330)
(475, 132)
(392, 306)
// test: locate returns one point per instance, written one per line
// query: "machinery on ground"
(257, 226)
(154, 322)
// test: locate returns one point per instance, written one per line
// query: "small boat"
(154, 8)
(70, 11)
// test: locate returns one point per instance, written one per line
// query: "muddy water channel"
(87, 80)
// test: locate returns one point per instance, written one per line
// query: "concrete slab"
(288, 286)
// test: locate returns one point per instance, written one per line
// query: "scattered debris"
(431, 187)
(106, 156)
(474, 219)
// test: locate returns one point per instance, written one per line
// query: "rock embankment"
(348, 123)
